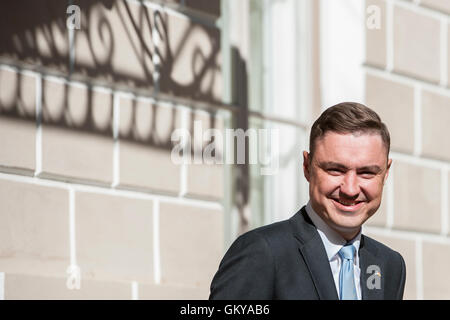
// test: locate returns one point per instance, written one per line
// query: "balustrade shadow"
(114, 48)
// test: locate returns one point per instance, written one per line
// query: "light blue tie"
(346, 276)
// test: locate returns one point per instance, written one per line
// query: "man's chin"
(348, 220)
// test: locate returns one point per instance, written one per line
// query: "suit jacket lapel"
(368, 257)
(311, 248)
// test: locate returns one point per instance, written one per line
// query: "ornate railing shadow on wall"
(34, 36)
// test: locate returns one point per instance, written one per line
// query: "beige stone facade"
(89, 191)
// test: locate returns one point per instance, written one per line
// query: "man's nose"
(350, 185)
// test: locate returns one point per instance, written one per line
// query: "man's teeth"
(348, 203)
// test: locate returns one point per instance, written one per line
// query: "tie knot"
(347, 252)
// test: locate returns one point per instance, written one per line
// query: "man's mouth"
(347, 205)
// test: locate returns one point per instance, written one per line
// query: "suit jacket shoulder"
(247, 271)
(283, 260)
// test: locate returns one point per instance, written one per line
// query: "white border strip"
(134, 290)
(444, 202)
(156, 247)
(2, 286)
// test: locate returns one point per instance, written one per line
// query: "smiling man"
(320, 252)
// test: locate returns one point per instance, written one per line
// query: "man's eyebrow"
(373, 168)
(331, 164)
(328, 164)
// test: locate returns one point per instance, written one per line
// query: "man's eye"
(334, 171)
(367, 174)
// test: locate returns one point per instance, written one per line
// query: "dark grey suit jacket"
(287, 260)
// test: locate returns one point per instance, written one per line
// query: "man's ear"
(387, 170)
(306, 165)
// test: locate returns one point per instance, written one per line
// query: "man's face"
(346, 177)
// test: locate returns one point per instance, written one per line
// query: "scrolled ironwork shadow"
(34, 33)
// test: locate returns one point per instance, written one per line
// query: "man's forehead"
(356, 135)
(351, 150)
(358, 140)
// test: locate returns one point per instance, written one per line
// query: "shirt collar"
(332, 241)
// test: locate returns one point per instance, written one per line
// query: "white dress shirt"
(333, 242)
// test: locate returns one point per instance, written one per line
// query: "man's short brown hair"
(348, 117)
